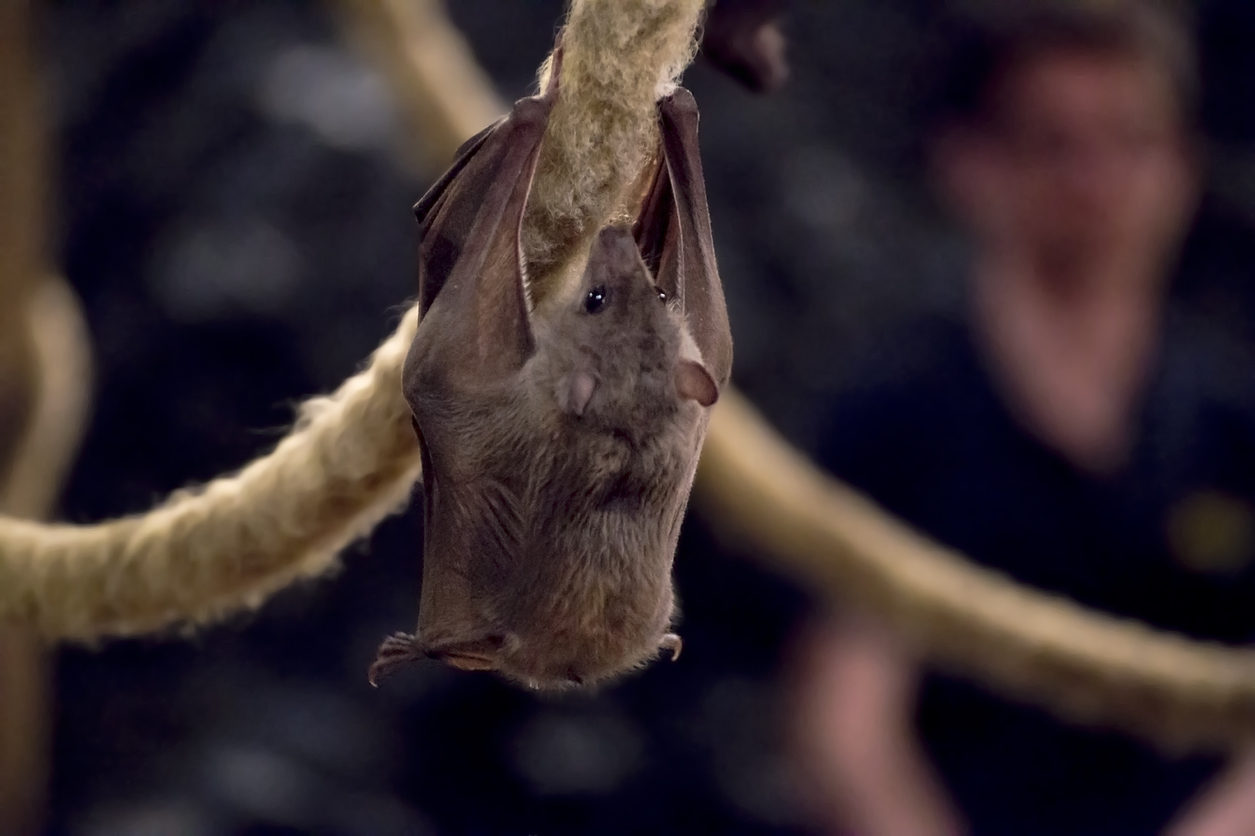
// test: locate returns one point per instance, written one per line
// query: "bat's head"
(618, 290)
(628, 348)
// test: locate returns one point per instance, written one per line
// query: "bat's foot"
(466, 661)
(397, 650)
(482, 653)
(673, 643)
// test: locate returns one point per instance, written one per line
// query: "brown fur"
(559, 445)
(567, 523)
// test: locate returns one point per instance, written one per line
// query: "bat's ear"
(694, 383)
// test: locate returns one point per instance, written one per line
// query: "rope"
(1037, 647)
(352, 459)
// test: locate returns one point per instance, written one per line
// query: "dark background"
(236, 216)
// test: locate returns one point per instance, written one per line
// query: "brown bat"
(559, 446)
(743, 38)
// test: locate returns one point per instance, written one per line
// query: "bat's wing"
(675, 239)
(441, 237)
(472, 296)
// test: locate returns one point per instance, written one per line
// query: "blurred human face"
(1084, 164)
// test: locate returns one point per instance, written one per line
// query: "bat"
(744, 39)
(558, 447)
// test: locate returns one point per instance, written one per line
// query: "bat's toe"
(396, 650)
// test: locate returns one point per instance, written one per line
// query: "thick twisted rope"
(233, 542)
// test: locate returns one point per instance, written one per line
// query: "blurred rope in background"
(45, 379)
(353, 458)
(444, 93)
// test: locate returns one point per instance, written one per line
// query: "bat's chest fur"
(551, 538)
(590, 590)
(593, 611)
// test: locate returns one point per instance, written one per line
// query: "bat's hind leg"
(397, 650)
(673, 643)
(475, 654)
(481, 653)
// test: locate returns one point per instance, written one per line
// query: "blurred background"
(232, 203)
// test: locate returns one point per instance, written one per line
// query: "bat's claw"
(396, 650)
(673, 643)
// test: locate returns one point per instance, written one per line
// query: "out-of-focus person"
(1068, 429)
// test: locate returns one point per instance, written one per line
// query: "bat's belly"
(593, 624)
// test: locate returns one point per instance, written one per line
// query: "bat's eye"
(662, 295)
(595, 301)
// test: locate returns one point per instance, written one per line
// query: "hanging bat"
(744, 39)
(559, 447)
